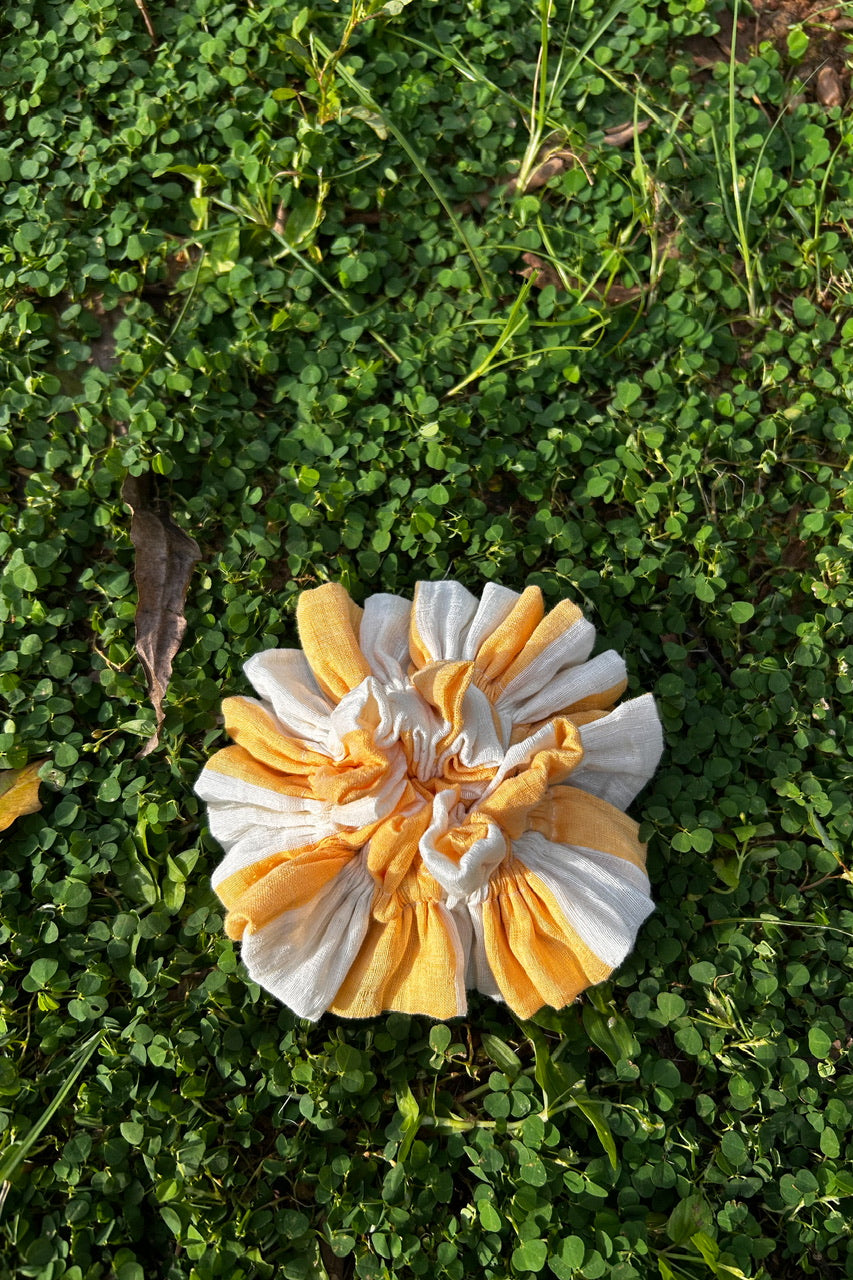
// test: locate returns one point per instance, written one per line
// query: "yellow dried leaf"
(19, 792)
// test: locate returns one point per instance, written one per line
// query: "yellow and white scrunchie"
(428, 798)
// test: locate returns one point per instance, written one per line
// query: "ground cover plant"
(536, 294)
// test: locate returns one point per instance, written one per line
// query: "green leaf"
(610, 1033)
(501, 1054)
(798, 42)
(741, 611)
(490, 1219)
(555, 1081)
(530, 1256)
(440, 1037)
(566, 1257)
(594, 1114)
(691, 1215)
(390, 9)
(820, 1042)
(18, 1151)
(709, 1251)
(42, 970)
(627, 393)
(411, 1119)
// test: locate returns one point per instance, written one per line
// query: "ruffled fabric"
(428, 799)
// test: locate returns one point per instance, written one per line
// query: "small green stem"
(514, 321)
(745, 251)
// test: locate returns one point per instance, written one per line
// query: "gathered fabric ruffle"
(429, 798)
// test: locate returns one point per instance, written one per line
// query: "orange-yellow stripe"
(561, 618)
(290, 885)
(328, 623)
(233, 889)
(535, 955)
(407, 963)
(235, 762)
(502, 647)
(596, 701)
(568, 815)
(254, 730)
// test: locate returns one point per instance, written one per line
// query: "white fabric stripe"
(479, 976)
(443, 612)
(521, 753)
(496, 605)
(534, 695)
(222, 791)
(613, 865)
(303, 956)
(478, 742)
(288, 689)
(384, 637)
(458, 879)
(221, 788)
(570, 649)
(598, 899)
(621, 752)
(460, 952)
(257, 843)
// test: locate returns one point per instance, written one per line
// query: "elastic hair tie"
(428, 798)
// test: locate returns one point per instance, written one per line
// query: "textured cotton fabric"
(429, 798)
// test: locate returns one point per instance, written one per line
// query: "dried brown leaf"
(165, 556)
(546, 273)
(829, 90)
(19, 792)
(550, 164)
(621, 134)
(618, 293)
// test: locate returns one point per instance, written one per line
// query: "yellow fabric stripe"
(407, 963)
(291, 884)
(444, 685)
(256, 732)
(393, 849)
(579, 718)
(597, 701)
(556, 624)
(235, 762)
(502, 647)
(420, 655)
(511, 802)
(535, 955)
(361, 771)
(230, 891)
(571, 816)
(328, 624)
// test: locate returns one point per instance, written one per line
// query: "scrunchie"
(429, 798)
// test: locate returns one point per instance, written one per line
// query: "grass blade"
(370, 102)
(17, 1152)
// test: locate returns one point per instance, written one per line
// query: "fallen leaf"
(616, 294)
(621, 134)
(165, 556)
(546, 273)
(19, 792)
(829, 90)
(619, 294)
(705, 51)
(550, 164)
